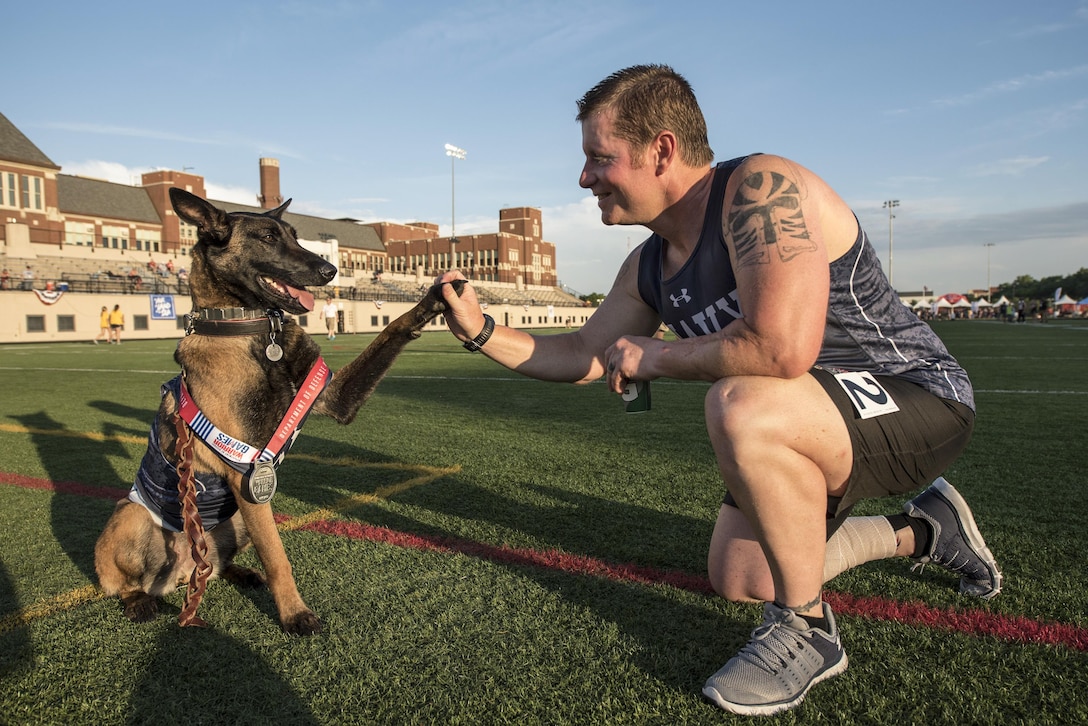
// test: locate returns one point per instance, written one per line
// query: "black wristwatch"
(478, 342)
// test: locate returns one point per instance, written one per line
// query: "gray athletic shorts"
(894, 453)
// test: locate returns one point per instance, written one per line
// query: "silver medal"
(260, 485)
(273, 352)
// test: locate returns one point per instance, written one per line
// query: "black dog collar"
(234, 321)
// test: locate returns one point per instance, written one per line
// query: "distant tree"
(1027, 287)
(593, 298)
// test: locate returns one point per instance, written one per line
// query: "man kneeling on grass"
(826, 389)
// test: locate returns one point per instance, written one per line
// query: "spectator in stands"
(5, 279)
(117, 324)
(28, 278)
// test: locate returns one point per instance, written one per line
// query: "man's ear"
(665, 150)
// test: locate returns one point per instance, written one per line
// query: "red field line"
(63, 487)
(972, 622)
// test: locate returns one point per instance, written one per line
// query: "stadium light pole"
(890, 205)
(988, 245)
(454, 153)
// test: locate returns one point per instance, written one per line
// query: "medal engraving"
(273, 352)
(260, 485)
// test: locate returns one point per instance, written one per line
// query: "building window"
(7, 189)
(373, 321)
(139, 322)
(79, 234)
(35, 323)
(31, 192)
(66, 323)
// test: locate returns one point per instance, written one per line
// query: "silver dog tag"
(260, 485)
(273, 352)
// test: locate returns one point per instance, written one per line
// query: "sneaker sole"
(974, 539)
(769, 709)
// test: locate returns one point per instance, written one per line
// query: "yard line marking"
(69, 433)
(51, 606)
(1032, 392)
(520, 379)
(356, 500)
(974, 622)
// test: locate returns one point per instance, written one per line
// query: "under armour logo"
(682, 297)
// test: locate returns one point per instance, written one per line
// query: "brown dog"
(242, 365)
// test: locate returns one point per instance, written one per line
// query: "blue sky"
(974, 115)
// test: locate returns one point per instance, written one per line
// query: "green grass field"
(486, 549)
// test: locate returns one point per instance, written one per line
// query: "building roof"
(97, 198)
(347, 233)
(15, 146)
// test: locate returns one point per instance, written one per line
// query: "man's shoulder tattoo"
(765, 214)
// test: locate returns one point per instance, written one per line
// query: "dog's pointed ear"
(199, 212)
(278, 211)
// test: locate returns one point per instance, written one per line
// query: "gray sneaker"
(957, 544)
(782, 660)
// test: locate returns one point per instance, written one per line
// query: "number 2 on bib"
(867, 395)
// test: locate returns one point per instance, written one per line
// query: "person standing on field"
(329, 311)
(825, 389)
(103, 325)
(117, 324)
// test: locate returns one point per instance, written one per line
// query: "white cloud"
(1009, 167)
(235, 195)
(1011, 85)
(106, 171)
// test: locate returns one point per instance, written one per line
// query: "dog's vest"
(156, 483)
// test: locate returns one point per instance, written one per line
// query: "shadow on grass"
(680, 643)
(15, 644)
(183, 683)
(74, 459)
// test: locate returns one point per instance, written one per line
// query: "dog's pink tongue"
(305, 298)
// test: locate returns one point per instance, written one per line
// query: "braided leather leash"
(194, 527)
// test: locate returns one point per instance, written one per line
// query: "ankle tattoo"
(802, 608)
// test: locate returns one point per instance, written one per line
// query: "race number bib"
(867, 396)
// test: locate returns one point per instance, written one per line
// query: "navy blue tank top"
(868, 328)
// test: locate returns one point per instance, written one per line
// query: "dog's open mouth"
(291, 299)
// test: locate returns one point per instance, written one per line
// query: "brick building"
(46, 212)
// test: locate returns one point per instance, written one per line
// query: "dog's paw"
(303, 623)
(434, 302)
(243, 576)
(139, 607)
